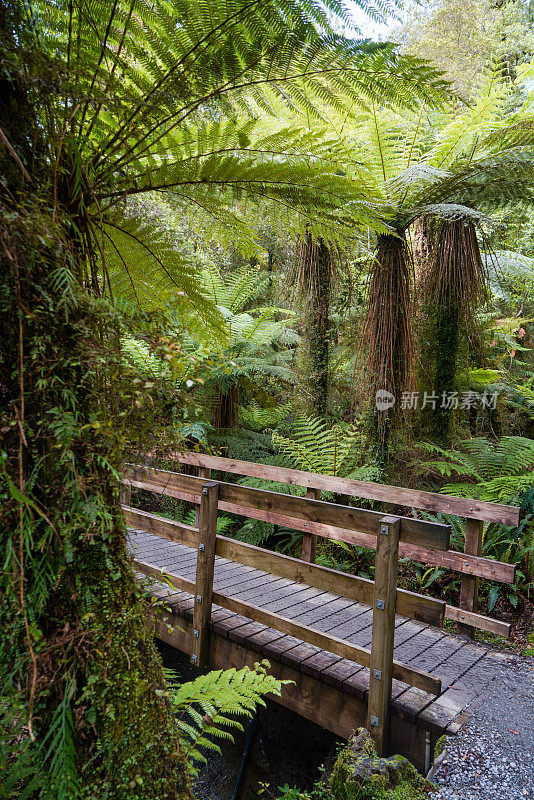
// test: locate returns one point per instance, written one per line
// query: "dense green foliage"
(227, 226)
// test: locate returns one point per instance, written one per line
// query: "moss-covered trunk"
(79, 664)
(316, 264)
(387, 337)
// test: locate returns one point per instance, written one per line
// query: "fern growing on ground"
(496, 471)
(208, 706)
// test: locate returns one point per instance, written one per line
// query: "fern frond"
(220, 696)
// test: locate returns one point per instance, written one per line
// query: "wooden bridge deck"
(328, 689)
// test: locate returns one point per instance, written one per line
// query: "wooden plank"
(166, 528)
(474, 531)
(309, 540)
(331, 644)
(461, 562)
(285, 509)
(381, 670)
(478, 621)
(207, 533)
(410, 498)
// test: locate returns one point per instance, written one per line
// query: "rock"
(359, 774)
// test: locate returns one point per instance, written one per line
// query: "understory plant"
(499, 471)
(207, 708)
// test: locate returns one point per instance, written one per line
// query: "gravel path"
(492, 758)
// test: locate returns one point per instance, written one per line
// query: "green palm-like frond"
(143, 267)
(315, 447)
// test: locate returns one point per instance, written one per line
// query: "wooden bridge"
(358, 652)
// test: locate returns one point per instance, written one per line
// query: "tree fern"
(207, 707)
(499, 471)
(314, 446)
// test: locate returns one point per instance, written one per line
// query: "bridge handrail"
(474, 512)
(396, 495)
(330, 520)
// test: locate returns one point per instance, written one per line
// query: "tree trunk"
(454, 287)
(80, 663)
(316, 267)
(387, 336)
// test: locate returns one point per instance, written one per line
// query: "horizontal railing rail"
(395, 495)
(470, 563)
(330, 520)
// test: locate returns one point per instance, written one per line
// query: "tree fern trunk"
(452, 291)
(387, 334)
(79, 652)
(316, 266)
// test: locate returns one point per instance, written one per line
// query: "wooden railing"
(331, 521)
(389, 535)
(475, 513)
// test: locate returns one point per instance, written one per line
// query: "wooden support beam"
(207, 532)
(474, 530)
(125, 494)
(381, 670)
(309, 540)
(396, 495)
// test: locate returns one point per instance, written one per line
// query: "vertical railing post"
(125, 494)
(309, 540)
(203, 472)
(385, 593)
(474, 530)
(207, 537)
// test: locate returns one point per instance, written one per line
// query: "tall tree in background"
(315, 275)
(102, 101)
(433, 167)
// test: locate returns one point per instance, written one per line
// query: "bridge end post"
(384, 602)
(207, 538)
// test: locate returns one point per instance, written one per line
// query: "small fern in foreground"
(208, 706)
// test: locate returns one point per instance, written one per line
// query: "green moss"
(359, 774)
(529, 649)
(440, 746)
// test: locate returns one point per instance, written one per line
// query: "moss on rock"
(359, 774)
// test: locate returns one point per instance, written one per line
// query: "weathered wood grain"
(288, 508)
(409, 498)
(207, 533)
(383, 633)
